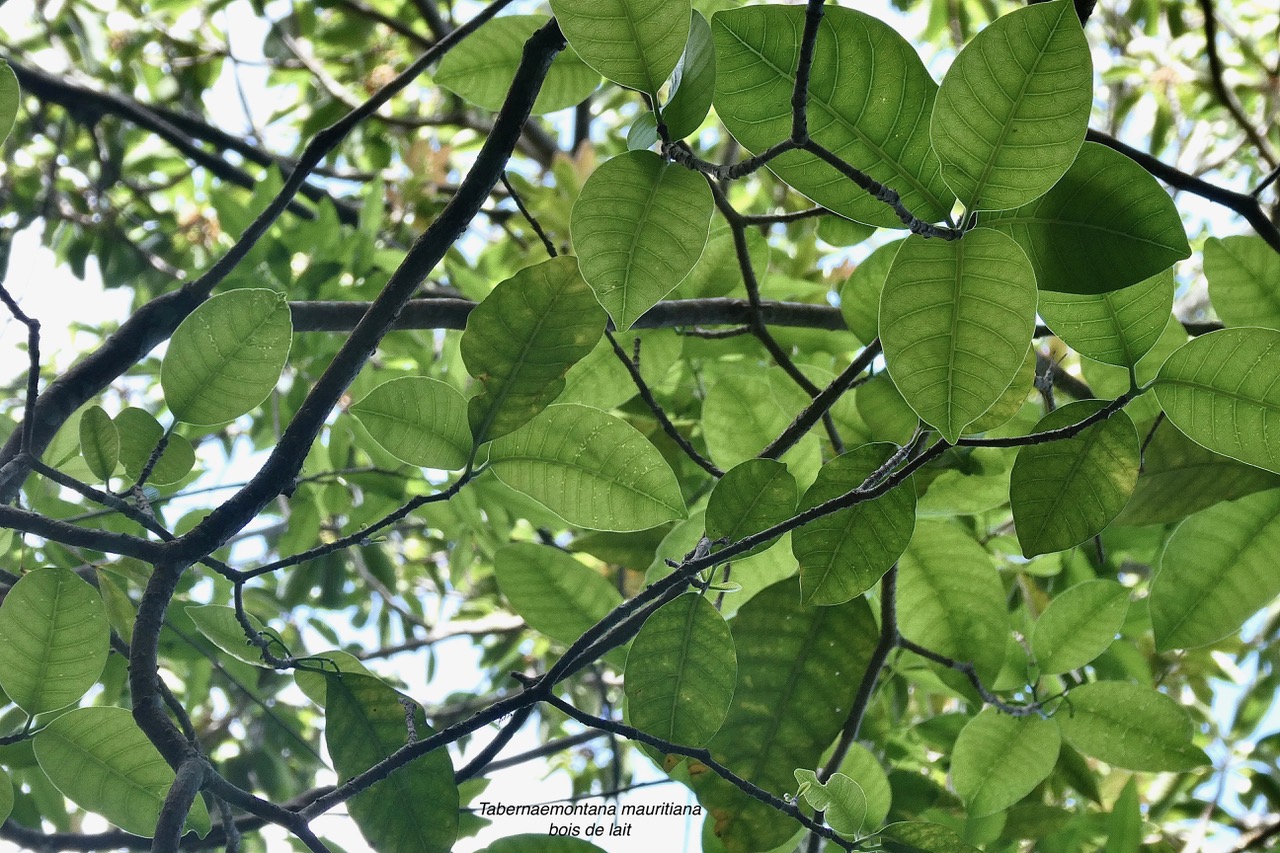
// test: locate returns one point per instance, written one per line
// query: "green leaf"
(139, 434)
(841, 798)
(950, 598)
(1078, 625)
(1124, 825)
(522, 339)
(1014, 107)
(415, 809)
(1012, 399)
(798, 669)
(921, 837)
(602, 381)
(418, 420)
(845, 553)
(859, 764)
(635, 43)
(956, 320)
(1067, 491)
(741, 416)
(751, 496)
(1130, 726)
(717, 271)
(838, 231)
(1180, 477)
(643, 132)
(638, 227)
(226, 357)
(481, 69)
(999, 759)
(1119, 327)
(860, 294)
(100, 760)
(311, 680)
(694, 83)
(6, 791)
(1216, 571)
(681, 671)
(219, 625)
(10, 98)
(591, 469)
(538, 843)
(870, 98)
(553, 592)
(1106, 225)
(99, 442)
(1213, 390)
(1243, 272)
(886, 414)
(54, 632)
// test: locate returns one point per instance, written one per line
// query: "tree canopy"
(870, 423)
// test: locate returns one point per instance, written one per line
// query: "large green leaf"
(861, 765)
(841, 800)
(1067, 491)
(6, 791)
(601, 379)
(922, 837)
(100, 760)
(590, 468)
(55, 636)
(751, 497)
(554, 593)
(10, 97)
(1106, 225)
(681, 672)
(226, 356)
(310, 677)
(638, 227)
(1078, 625)
(219, 625)
(694, 83)
(999, 759)
(1124, 825)
(798, 671)
(1180, 477)
(845, 553)
(99, 442)
(1244, 280)
(1130, 726)
(741, 415)
(950, 598)
(870, 98)
(1118, 327)
(415, 809)
(636, 43)
(1216, 390)
(1216, 571)
(521, 340)
(1014, 107)
(418, 420)
(717, 271)
(860, 294)
(481, 69)
(956, 320)
(139, 434)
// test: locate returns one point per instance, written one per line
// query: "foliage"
(705, 364)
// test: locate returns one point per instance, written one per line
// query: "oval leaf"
(1067, 491)
(415, 809)
(638, 227)
(1213, 391)
(999, 759)
(1243, 273)
(55, 636)
(418, 420)
(1216, 571)
(1119, 327)
(635, 43)
(99, 442)
(1130, 726)
(1079, 625)
(220, 626)
(521, 340)
(139, 434)
(101, 761)
(681, 672)
(869, 102)
(750, 497)
(859, 764)
(841, 798)
(694, 82)
(860, 294)
(590, 468)
(740, 416)
(845, 553)
(226, 357)
(481, 69)
(10, 97)
(956, 320)
(1014, 107)
(311, 681)
(1106, 225)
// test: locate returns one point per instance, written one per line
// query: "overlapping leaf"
(1078, 625)
(418, 420)
(694, 83)
(740, 416)
(870, 99)
(226, 356)
(860, 294)
(1118, 327)
(521, 340)
(956, 320)
(636, 43)
(99, 442)
(840, 799)
(751, 497)
(10, 97)
(1219, 391)
(1244, 280)
(1105, 225)
(219, 624)
(139, 434)
(638, 227)
(1130, 726)
(999, 759)
(1014, 107)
